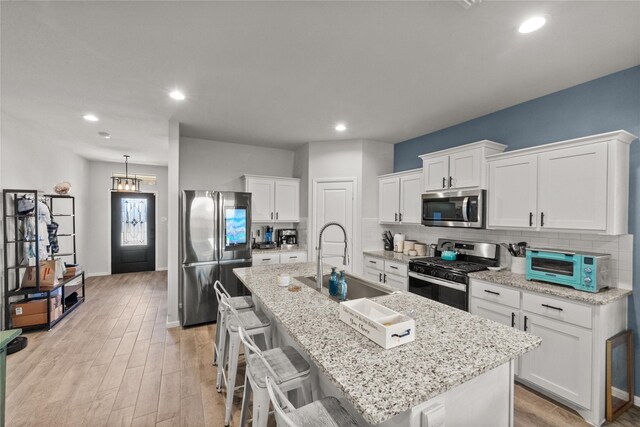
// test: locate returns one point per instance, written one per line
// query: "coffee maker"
(287, 238)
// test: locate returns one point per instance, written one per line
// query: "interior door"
(287, 203)
(334, 203)
(133, 232)
(573, 188)
(512, 192)
(436, 173)
(411, 198)
(388, 199)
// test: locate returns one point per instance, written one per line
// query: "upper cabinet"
(458, 168)
(576, 185)
(273, 199)
(399, 197)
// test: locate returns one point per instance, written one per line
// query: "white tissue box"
(380, 324)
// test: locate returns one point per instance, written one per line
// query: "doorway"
(133, 232)
(333, 202)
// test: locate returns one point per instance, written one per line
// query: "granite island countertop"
(391, 256)
(451, 346)
(519, 281)
(300, 248)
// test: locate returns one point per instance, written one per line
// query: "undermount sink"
(356, 287)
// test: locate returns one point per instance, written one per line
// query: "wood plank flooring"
(113, 362)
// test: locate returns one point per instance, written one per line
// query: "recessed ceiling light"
(90, 118)
(532, 24)
(105, 135)
(176, 94)
(341, 127)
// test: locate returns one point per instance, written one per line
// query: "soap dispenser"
(342, 287)
(333, 283)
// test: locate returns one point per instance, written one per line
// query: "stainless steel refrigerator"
(216, 238)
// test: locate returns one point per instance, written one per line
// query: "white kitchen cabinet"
(293, 257)
(562, 364)
(579, 185)
(513, 184)
(273, 199)
(399, 197)
(570, 363)
(391, 273)
(265, 259)
(458, 168)
(573, 188)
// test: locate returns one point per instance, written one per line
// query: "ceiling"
(284, 73)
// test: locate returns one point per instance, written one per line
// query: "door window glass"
(134, 221)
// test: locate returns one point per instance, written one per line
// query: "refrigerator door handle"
(220, 225)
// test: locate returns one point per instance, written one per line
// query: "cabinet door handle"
(372, 262)
(293, 257)
(552, 307)
(400, 217)
(450, 182)
(525, 323)
(276, 215)
(444, 182)
(266, 259)
(380, 277)
(385, 278)
(513, 320)
(271, 215)
(492, 292)
(541, 219)
(395, 217)
(530, 219)
(393, 266)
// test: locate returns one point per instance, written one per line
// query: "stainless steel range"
(447, 281)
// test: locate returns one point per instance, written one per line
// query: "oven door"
(457, 209)
(443, 291)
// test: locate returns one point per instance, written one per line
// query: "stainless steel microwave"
(465, 209)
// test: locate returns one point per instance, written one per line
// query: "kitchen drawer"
(557, 309)
(291, 257)
(398, 282)
(265, 259)
(375, 263)
(493, 293)
(397, 268)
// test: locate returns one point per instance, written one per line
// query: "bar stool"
(326, 412)
(254, 323)
(284, 364)
(219, 345)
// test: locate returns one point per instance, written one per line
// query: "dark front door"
(133, 232)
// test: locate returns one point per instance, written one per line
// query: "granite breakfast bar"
(454, 359)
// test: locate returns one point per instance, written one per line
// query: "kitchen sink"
(356, 287)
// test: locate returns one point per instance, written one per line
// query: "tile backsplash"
(620, 247)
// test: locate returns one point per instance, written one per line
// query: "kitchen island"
(460, 367)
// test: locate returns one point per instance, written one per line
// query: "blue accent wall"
(606, 104)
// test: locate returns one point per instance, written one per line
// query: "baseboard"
(621, 394)
(174, 324)
(162, 268)
(104, 273)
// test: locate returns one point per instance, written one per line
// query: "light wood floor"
(113, 363)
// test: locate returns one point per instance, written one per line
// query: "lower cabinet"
(278, 258)
(569, 364)
(562, 364)
(391, 273)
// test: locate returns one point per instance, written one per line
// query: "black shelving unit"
(14, 265)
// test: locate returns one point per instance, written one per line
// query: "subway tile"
(625, 279)
(605, 246)
(580, 244)
(625, 242)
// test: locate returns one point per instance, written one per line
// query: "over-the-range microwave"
(465, 209)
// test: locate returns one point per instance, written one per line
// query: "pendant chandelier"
(126, 183)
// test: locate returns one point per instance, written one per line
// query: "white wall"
(173, 223)
(98, 258)
(219, 165)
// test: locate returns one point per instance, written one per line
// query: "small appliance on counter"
(268, 242)
(584, 271)
(287, 238)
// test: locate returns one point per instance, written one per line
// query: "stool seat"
(241, 303)
(248, 320)
(286, 362)
(326, 412)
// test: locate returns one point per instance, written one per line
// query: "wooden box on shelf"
(30, 312)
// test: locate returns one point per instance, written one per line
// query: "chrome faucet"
(345, 257)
